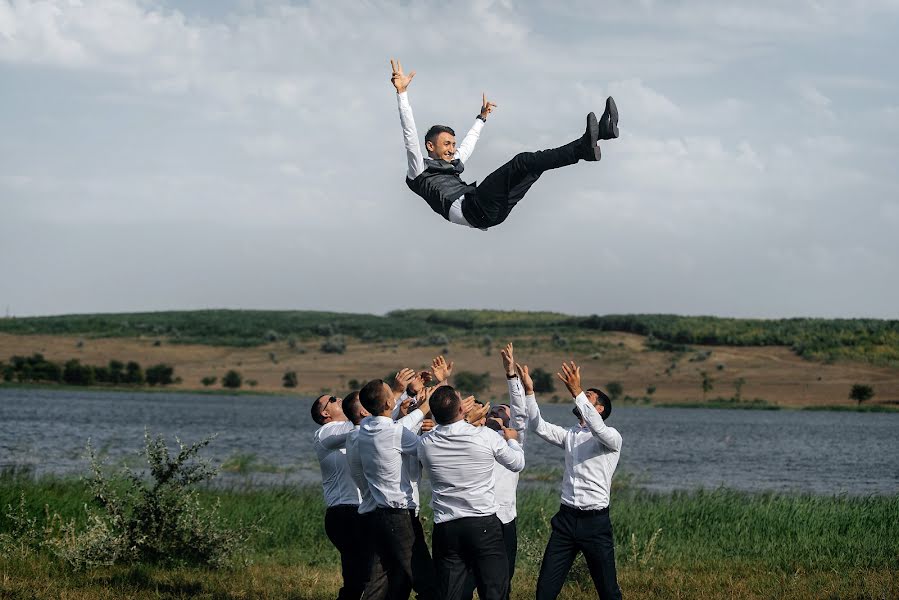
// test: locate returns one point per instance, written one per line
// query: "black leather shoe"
(608, 123)
(591, 136)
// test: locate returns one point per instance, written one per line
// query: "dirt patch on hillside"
(774, 374)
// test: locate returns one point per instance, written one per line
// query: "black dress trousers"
(403, 553)
(473, 544)
(573, 531)
(343, 525)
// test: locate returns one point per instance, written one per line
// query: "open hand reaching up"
(441, 369)
(508, 360)
(571, 377)
(400, 80)
(525, 375)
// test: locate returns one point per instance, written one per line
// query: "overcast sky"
(247, 154)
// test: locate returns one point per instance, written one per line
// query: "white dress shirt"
(389, 455)
(355, 462)
(591, 454)
(506, 480)
(415, 160)
(460, 460)
(329, 442)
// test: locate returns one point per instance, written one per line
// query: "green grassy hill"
(871, 340)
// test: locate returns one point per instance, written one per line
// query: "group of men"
(374, 444)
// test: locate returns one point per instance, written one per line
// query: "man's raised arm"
(414, 159)
(471, 138)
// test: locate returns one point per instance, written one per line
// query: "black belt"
(344, 506)
(580, 512)
(394, 511)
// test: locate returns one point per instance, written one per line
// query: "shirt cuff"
(478, 124)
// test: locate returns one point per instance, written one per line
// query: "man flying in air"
(436, 177)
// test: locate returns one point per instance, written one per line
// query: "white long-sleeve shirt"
(354, 460)
(506, 480)
(591, 454)
(329, 442)
(415, 164)
(389, 454)
(460, 460)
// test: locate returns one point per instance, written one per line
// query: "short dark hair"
(351, 407)
(604, 400)
(317, 411)
(445, 404)
(374, 397)
(436, 130)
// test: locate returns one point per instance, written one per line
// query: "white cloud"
(266, 138)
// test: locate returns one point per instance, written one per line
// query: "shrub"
(160, 374)
(209, 380)
(157, 521)
(336, 344)
(614, 389)
(543, 381)
(74, 373)
(290, 379)
(133, 373)
(467, 382)
(232, 379)
(861, 392)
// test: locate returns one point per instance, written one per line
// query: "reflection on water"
(265, 440)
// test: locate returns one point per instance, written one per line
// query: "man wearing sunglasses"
(342, 521)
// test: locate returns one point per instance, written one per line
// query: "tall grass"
(702, 528)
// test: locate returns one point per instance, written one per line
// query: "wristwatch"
(512, 376)
(484, 119)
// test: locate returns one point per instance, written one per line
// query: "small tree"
(232, 379)
(209, 380)
(614, 389)
(650, 390)
(160, 374)
(290, 379)
(544, 382)
(471, 383)
(336, 344)
(738, 388)
(707, 384)
(133, 373)
(861, 392)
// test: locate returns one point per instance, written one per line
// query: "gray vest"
(440, 185)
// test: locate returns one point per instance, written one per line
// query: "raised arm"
(506, 449)
(466, 148)
(517, 404)
(414, 160)
(335, 437)
(608, 437)
(549, 432)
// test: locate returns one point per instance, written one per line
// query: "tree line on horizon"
(871, 340)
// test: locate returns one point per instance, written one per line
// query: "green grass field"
(712, 544)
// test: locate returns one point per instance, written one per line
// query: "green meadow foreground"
(713, 544)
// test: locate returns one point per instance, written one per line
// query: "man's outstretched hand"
(486, 107)
(400, 80)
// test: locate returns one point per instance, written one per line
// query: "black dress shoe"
(591, 136)
(608, 123)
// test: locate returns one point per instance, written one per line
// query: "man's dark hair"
(604, 400)
(317, 411)
(374, 396)
(436, 130)
(445, 404)
(352, 408)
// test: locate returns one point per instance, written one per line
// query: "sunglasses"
(332, 399)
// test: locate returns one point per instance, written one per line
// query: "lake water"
(664, 449)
